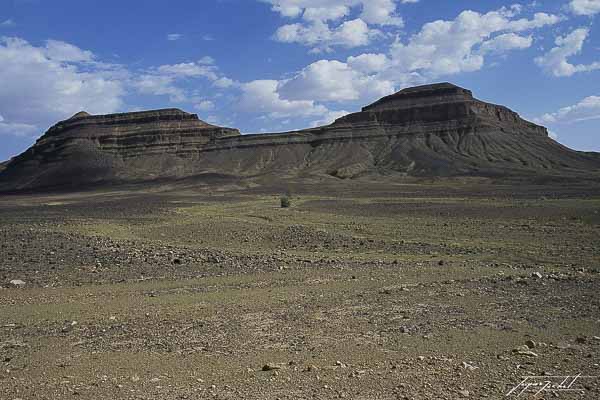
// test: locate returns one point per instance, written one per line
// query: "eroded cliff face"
(434, 130)
(118, 147)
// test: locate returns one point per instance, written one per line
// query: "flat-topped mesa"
(133, 134)
(138, 145)
(433, 130)
(441, 103)
(175, 120)
(440, 93)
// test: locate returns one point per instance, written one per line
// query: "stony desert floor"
(371, 291)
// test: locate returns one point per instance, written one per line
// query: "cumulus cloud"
(66, 52)
(160, 85)
(166, 80)
(204, 105)
(440, 48)
(585, 7)
(556, 62)
(224, 83)
(46, 83)
(349, 34)
(587, 109)
(381, 12)
(368, 63)
(334, 81)
(451, 47)
(51, 82)
(326, 23)
(505, 42)
(16, 129)
(262, 96)
(329, 118)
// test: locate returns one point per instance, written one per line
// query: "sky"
(280, 65)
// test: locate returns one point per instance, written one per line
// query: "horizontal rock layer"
(430, 130)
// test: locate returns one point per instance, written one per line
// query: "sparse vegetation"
(349, 282)
(286, 202)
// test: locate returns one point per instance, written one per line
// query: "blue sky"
(277, 65)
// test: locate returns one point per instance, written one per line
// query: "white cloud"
(585, 7)
(329, 118)
(349, 34)
(65, 52)
(380, 12)
(262, 96)
(505, 42)
(188, 70)
(224, 83)
(556, 62)
(174, 36)
(368, 63)
(205, 105)
(326, 23)
(160, 85)
(440, 48)
(587, 109)
(451, 47)
(16, 129)
(44, 84)
(165, 80)
(334, 81)
(207, 60)
(7, 23)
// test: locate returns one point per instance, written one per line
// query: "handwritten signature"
(541, 384)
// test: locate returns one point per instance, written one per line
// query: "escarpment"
(433, 130)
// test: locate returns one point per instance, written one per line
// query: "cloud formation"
(587, 109)
(325, 24)
(556, 62)
(51, 82)
(262, 96)
(585, 7)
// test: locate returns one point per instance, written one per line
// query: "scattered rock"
(530, 344)
(524, 351)
(271, 367)
(464, 393)
(69, 327)
(468, 366)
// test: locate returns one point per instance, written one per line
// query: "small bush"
(285, 202)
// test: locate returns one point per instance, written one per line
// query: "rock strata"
(433, 130)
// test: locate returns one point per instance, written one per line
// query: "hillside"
(433, 130)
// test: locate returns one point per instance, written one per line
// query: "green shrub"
(285, 202)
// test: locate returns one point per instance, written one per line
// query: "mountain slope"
(433, 130)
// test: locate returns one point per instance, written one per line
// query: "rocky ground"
(396, 292)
